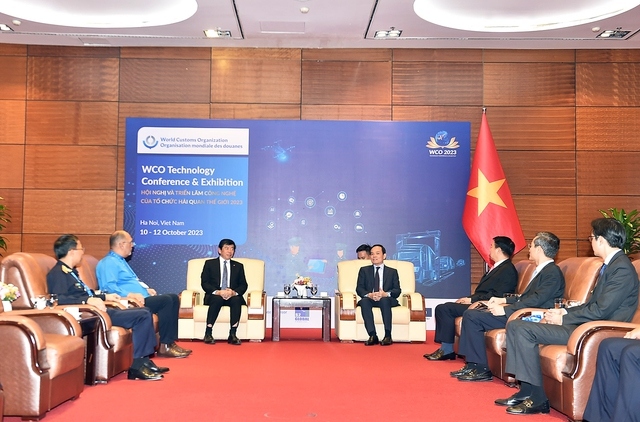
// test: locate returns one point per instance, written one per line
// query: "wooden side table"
(89, 325)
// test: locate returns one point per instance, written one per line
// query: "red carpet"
(298, 379)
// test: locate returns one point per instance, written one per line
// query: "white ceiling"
(328, 24)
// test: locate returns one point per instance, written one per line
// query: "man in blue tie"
(378, 286)
(63, 280)
(224, 284)
(615, 297)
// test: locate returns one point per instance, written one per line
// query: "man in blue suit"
(378, 286)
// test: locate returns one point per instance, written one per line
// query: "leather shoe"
(143, 373)
(167, 351)
(180, 349)
(386, 341)
(155, 368)
(510, 401)
(234, 340)
(208, 339)
(371, 341)
(440, 355)
(476, 375)
(462, 371)
(527, 407)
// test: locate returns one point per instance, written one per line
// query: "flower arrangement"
(302, 281)
(8, 292)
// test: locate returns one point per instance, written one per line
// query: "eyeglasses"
(590, 238)
(133, 244)
(78, 249)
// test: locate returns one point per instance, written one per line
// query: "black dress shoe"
(476, 375)
(180, 349)
(386, 341)
(440, 355)
(143, 373)
(208, 339)
(234, 340)
(527, 407)
(155, 368)
(510, 401)
(462, 371)
(372, 341)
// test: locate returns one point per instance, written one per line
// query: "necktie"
(376, 280)
(225, 276)
(604, 266)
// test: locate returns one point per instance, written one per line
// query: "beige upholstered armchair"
(28, 271)
(42, 361)
(193, 313)
(409, 322)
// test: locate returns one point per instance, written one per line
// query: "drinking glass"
(314, 289)
(53, 300)
(287, 289)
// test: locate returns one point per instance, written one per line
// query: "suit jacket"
(615, 296)
(500, 280)
(366, 281)
(210, 278)
(547, 285)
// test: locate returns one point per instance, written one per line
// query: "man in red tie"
(378, 286)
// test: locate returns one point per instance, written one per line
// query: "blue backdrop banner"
(301, 195)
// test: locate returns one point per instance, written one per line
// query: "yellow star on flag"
(487, 192)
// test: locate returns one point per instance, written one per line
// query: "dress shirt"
(116, 276)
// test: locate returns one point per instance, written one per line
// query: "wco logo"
(150, 142)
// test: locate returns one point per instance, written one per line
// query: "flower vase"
(301, 289)
(6, 306)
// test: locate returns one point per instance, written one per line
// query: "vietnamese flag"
(489, 209)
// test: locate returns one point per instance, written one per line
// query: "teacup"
(74, 311)
(39, 302)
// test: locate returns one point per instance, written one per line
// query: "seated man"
(501, 279)
(224, 283)
(116, 276)
(64, 281)
(615, 297)
(614, 394)
(546, 284)
(378, 286)
(363, 251)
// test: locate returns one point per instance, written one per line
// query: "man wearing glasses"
(116, 276)
(614, 297)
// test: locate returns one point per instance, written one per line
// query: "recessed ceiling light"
(388, 34)
(509, 16)
(4, 27)
(217, 33)
(617, 33)
(101, 14)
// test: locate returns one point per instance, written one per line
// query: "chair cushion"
(64, 353)
(399, 315)
(553, 360)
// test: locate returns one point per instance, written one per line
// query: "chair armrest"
(22, 341)
(346, 303)
(415, 302)
(256, 302)
(52, 321)
(104, 321)
(584, 342)
(188, 301)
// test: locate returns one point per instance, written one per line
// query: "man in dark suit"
(615, 297)
(501, 279)
(378, 286)
(547, 283)
(614, 394)
(224, 283)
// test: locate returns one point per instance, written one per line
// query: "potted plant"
(631, 223)
(4, 218)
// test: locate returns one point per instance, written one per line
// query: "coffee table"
(283, 302)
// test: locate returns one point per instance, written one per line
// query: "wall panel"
(608, 84)
(12, 121)
(540, 173)
(12, 159)
(608, 128)
(70, 167)
(608, 173)
(13, 84)
(345, 112)
(69, 211)
(71, 123)
(12, 198)
(255, 111)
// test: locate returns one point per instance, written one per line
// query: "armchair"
(568, 371)
(42, 361)
(193, 313)
(580, 275)
(409, 319)
(28, 271)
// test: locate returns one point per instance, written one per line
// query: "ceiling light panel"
(105, 14)
(518, 16)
